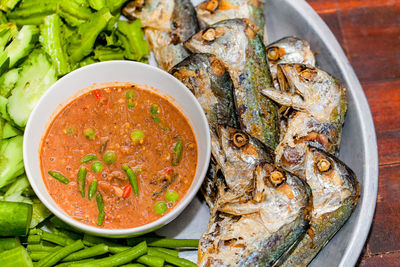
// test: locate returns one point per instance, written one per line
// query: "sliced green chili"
(92, 189)
(177, 153)
(59, 177)
(132, 178)
(100, 207)
(88, 158)
(82, 180)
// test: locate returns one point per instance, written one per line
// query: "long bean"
(59, 177)
(115, 250)
(151, 261)
(42, 248)
(100, 207)
(165, 242)
(90, 240)
(92, 189)
(34, 239)
(82, 180)
(171, 252)
(68, 263)
(97, 250)
(133, 265)
(117, 259)
(180, 262)
(132, 178)
(38, 255)
(56, 239)
(56, 256)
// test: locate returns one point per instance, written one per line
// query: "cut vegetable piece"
(15, 218)
(74, 9)
(23, 44)
(8, 81)
(4, 62)
(97, 4)
(3, 18)
(134, 33)
(107, 53)
(19, 186)
(53, 42)
(11, 162)
(82, 44)
(37, 75)
(8, 31)
(10, 131)
(7, 243)
(35, 10)
(7, 5)
(16, 257)
(115, 5)
(39, 213)
(3, 108)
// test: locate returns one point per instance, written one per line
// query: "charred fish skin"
(335, 192)
(167, 23)
(258, 231)
(213, 11)
(242, 51)
(288, 50)
(208, 79)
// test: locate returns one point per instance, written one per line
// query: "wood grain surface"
(369, 32)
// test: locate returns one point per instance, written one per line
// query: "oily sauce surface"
(113, 117)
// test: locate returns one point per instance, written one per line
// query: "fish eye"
(209, 35)
(276, 177)
(273, 53)
(307, 74)
(323, 165)
(240, 139)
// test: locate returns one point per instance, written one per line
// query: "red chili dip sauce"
(139, 148)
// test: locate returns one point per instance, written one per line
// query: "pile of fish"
(276, 191)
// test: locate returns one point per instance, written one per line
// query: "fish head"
(288, 50)
(331, 181)
(307, 89)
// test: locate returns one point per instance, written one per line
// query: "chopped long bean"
(132, 178)
(180, 262)
(82, 180)
(88, 158)
(118, 249)
(100, 207)
(42, 248)
(90, 240)
(165, 242)
(151, 261)
(117, 259)
(34, 239)
(56, 256)
(92, 189)
(177, 153)
(97, 250)
(69, 263)
(59, 177)
(38, 255)
(171, 252)
(56, 239)
(133, 265)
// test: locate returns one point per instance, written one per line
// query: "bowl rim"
(124, 232)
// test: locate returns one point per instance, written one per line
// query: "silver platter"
(358, 148)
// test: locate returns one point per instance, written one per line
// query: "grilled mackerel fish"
(335, 191)
(259, 211)
(237, 44)
(167, 23)
(213, 11)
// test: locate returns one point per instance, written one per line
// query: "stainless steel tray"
(358, 147)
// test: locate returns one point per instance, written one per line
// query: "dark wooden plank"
(372, 38)
(384, 101)
(332, 19)
(385, 231)
(387, 260)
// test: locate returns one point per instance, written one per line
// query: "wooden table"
(369, 32)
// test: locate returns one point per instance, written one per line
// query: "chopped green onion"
(154, 109)
(130, 94)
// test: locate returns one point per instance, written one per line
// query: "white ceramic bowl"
(100, 75)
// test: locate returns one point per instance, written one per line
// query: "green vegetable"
(88, 158)
(137, 137)
(171, 259)
(130, 94)
(7, 243)
(67, 264)
(82, 44)
(15, 218)
(154, 109)
(19, 186)
(90, 240)
(53, 42)
(97, 4)
(74, 9)
(15, 257)
(7, 5)
(100, 207)
(11, 161)
(92, 189)
(38, 255)
(107, 53)
(134, 42)
(97, 166)
(41, 248)
(165, 242)
(117, 259)
(58, 255)
(56, 239)
(37, 75)
(177, 153)
(23, 44)
(8, 81)
(59, 177)
(10, 131)
(97, 250)
(82, 180)
(115, 5)
(39, 213)
(172, 195)
(133, 265)
(151, 261)
(89, 133)
(160, 207)
(132, 178)
(34, 239)
(110, 157)
(171, 252)
(3, 109)
(8, 31)
(4, 62)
